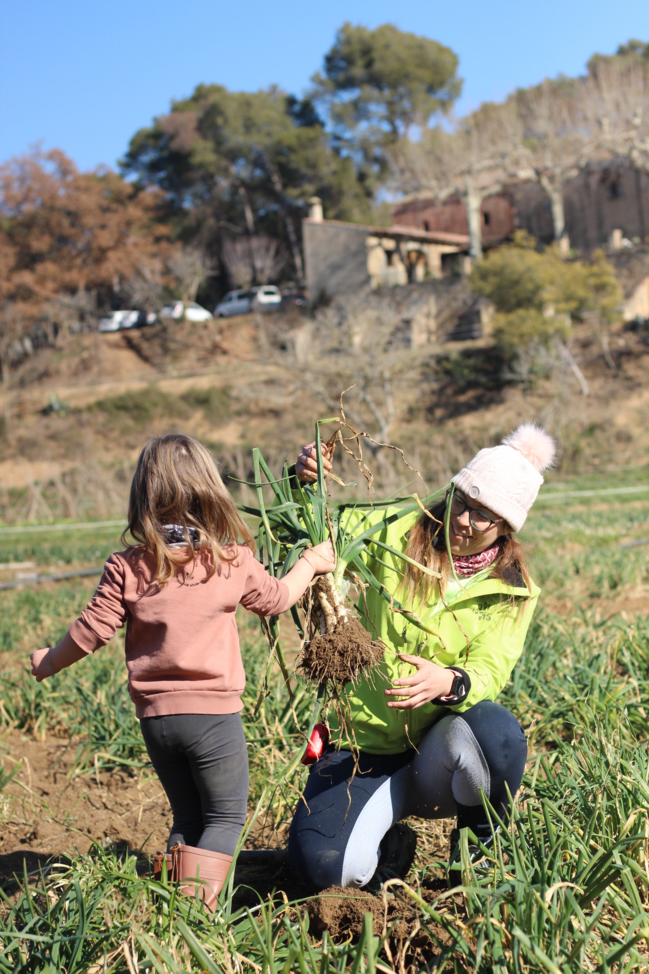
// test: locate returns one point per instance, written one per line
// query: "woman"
(431, 738)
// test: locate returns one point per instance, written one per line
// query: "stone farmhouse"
(608, 195)
(341, 258)
(606, 205)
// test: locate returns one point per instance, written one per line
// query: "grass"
(137, 409)
(569, 888)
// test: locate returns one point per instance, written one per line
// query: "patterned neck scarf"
(468, 565)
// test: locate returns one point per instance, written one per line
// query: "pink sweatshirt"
(182, 643)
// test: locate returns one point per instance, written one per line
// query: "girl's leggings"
(202, 762)
(335, 842)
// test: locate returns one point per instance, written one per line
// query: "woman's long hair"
(426, 545)
(177, 481)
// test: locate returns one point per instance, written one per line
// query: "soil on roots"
(341, 656)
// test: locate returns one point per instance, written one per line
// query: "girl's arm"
(98, 623)
(314, 561)
(266, 595)
(46, 662)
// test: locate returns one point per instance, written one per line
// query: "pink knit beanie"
(506, 478)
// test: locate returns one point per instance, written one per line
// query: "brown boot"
(207, 869)
(158, 860)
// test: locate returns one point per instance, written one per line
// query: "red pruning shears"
(316, 744)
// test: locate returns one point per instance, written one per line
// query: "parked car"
(296, 296)
(266, 298)
(190, 311)
(123, 320)
(195, 312)
(174, 310)
(234, 303)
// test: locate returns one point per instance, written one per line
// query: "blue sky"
(84, 76)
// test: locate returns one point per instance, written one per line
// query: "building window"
(487, 218)
(426, 225)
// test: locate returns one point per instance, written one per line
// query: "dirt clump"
(342, 655)
(342, 911)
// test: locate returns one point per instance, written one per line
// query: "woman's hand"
(42, 664)
(306, 466)
(429, 682)
(321, 557)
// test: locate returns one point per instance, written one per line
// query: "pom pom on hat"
(535, 444)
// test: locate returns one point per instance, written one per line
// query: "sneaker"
(397, 852)
(476, 855)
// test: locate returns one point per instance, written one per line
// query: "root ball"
(341, 656)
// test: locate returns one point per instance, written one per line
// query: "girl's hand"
(42, 664)
(321, 557)
(429, 682)
(306, 466)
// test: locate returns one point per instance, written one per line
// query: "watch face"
(458, 683)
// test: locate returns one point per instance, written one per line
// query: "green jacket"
(491, 615)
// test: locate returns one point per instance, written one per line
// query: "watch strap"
(459, 688)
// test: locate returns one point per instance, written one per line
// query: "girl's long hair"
(177, 481)
(426, 545)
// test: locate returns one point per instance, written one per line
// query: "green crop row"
(568, 890)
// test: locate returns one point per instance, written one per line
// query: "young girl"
(177, 590)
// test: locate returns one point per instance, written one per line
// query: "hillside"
(76, 415)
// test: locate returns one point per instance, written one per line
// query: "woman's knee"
(496, 730)
(314, 860)
(502, 742)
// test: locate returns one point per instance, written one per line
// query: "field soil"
(51, 815)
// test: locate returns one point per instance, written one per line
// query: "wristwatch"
(459, 688)
(457, 685)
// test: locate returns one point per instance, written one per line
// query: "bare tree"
(237, 257)
(546, 134)
(473, 162)
(145, 289)
(14, 328)
(191, 266)
(556, 138)
(358, 345)
(617, 102)
(268, 257)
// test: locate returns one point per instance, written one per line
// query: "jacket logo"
(482, 611)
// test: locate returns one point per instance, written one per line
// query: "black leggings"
(333, 842)
(202, 762)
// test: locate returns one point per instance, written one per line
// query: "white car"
(267, 298)
(190, 312)
(234, 303)
(175, 310)
(122, 320)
